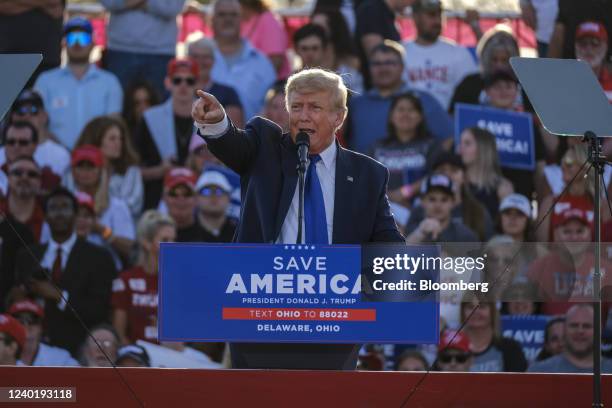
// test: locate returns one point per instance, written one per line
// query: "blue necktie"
(314, 206)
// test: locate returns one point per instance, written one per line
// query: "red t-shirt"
(605, 79)
(561, 284)
(135, 291)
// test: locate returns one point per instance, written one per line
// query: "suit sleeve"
(385, 229)
(93, 304)
(237, 148)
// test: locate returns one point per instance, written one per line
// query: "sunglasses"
(29, 320)
(176, 194)
(459, 358)
(30, 173)
(20, 142)
(78, 37)
(27, 110)
(212, 191)
(179, 80)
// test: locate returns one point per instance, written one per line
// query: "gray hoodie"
(148, 30)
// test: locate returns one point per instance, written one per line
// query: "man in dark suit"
(77, 272)
(345, 196)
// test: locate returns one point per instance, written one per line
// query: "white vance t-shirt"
(438, 68)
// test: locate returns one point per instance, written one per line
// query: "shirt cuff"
(215, 130)
(62, 303)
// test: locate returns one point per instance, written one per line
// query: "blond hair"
(316, 80)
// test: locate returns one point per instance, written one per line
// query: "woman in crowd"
(114, 227)
(265, 31)
(138, 97)
(110, 134)
(91, 355)
(483, 174)
(138, 321)
(494, 50)
(514, 218)
(491, 351)
(408, 149)
(341, 53)
(411, 360)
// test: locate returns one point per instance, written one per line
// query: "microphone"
(302, 140)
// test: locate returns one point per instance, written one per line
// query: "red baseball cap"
(11, 326)
(88, 153)
(183, 63)
(28, 306)
(460, 341)
(85, 200)
(592, 29)
(576, 214)
(178, 176)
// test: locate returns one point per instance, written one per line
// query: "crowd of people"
(101, 162)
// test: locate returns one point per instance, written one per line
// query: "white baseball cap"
(516, 201)
(213, 178)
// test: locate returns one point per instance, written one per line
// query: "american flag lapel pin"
(349, 178)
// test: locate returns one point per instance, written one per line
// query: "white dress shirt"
(326, 171)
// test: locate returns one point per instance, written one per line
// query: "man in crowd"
(73, 270)
(180, 200)
(376, 23)
(592, 48)
(36, 353)
(22, 203)
(263, 157)
(237, 62)
(101, 352)
(438, 200)
(12, 340)
(434, 64)
(368, 113)
(212, 203)
(577, 354)
(141, 39)
(454, 352)
(80, 91)
(20, 140)
(202, 50)
(165, 133)
(310, 44)
(29, 107)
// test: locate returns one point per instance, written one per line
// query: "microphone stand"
(301, 169)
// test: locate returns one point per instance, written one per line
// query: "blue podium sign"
(513, 132)
(279, 293)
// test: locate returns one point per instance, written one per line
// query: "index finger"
(206, 96)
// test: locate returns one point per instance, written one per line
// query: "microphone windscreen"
(302, 138)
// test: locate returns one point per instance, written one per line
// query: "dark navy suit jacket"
(266, 160)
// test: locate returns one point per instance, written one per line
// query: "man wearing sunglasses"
(22, 202)
(212, 203)
(163, 140)
(21, 140)
(180, 200)
(454, 352)
(29, 107)
(36, 353)
(80, 91)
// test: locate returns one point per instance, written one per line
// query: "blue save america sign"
(529, 331)
(513, 132)
(279, 293)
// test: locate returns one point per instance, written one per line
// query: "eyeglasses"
(78, 37)
(388, 63)
(459, 358)
(27, 320)
(27, 110)
(176, 194)
(212, 190)
(20, 172)
(20, 142)
(179, 80)
(589, 41)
